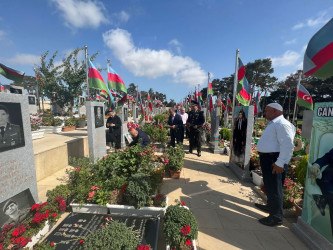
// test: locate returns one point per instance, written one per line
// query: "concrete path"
(223, 207)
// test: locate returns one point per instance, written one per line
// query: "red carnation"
(52, 244)
(77, 169)
(166, 160)
(183, 203)
(185, 230)
(81, 241)
(189, 243)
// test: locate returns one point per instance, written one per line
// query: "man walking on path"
(275, 149)
(175, 123)
(184, 116)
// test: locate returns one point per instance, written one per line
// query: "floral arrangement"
(132, 125)
(291, 190)
(19, 235)
(175, 156)
(156, 133)
(206, 127)
(254, 158)
(35, 121)
(180, 227)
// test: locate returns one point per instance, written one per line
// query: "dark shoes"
(199, 154)
(262, 207)
(320, 203)
(190, 151)
(270, 221)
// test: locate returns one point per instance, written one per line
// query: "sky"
(167, 45)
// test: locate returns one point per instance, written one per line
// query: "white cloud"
(24, 59)
(177, 44)
(293, 41)
(321, 19)
(123, 16)
(153, 63)
(289, 58)
(2, 34)
(82, 14)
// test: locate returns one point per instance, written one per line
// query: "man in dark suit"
(139, 136)
(195, 121)
(239, 138)
(10, 134)
(175, 123)
(322, 172)
(114, 125)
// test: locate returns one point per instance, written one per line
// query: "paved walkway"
(223, 207)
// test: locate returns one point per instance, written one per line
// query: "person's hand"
(112, 124)
(277, 169)
(314, 171)
(195, 126)
(173, 126)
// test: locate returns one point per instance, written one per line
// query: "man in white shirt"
(275, 149)
(184, 118)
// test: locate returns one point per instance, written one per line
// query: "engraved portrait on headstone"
(99, 118)
(11, 128)
(125, 114)
(31, 100)
(14, 90)
(136, 112)
(16, 209)
(239, 135)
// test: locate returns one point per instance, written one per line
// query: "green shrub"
(79, 162)
(301, 169)
(70, 122)
(175, 155)
(177, 217)
(114, 235)
(159, 119)
(60, 190)
(138, 190)
(225, 134)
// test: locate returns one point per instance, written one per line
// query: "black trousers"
(195, 139)
(273, 184)
(175, 135)
(115, 138)
(181, 134)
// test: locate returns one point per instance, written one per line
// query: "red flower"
(36, 207)
(183, 203)
(47, 211)
(91, 194)
(1, 246)
(18, 231)
(54, 214)
(77, 169)
(95, 188)
(81, 241)
(166, 160)
(185, 230)
(189, 243)
(123, 187)
(52, 244)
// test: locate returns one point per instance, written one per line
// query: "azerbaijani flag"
(243, 86)
(115, 82)
(12, 74)
(210, 89)
(2, 88)
(140, 102)
(229, 105)
(199, 100)
(303, 97)
(195, 95)
(318, 57)
(210, 103)
(95, 79)
(256, 104)
(123, 100)
(150, 103)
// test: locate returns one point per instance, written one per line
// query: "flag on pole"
(123, 100)
(114, 81)
(150, 103)
(2, 88)
(95, 79)
(303, 97)
(11, 74)
(243, 86)
(200, 101)
(195, 95)
(256, 104)
(140, 102)
(210, 89)
(318, 57)
(210, 103)
(229, 104)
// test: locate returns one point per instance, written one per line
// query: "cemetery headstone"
(136, 114)
(96, 130)
(225, 120)
(17, 163)
(307, 124)
(241, 144)
(124, 129)
(214, 138)
(73, 228)
(204, 110)
(315, 226)
(32, 104)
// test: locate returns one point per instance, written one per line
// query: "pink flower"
(77, 169)
(95, 188)
(81, 241)
(52, 244)
(166, 160)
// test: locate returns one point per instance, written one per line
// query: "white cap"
(275, 105)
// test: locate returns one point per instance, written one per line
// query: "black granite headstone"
(73, 228)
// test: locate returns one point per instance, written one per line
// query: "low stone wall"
(50, 161)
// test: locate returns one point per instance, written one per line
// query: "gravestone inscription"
(73, 228)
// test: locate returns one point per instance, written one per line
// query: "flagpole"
(207, 102)
(87, 69)
(298, 83)
(234, 101)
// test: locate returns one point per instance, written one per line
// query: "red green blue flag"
(150, 103)
(210, 89)
(229, 104)
(199, 100)
(95, 79)
(303, 97)
(256, 104)
(11, 74)
(318, 57)
(2, 88)
(115, 82)
(123, 100)
(243, 86)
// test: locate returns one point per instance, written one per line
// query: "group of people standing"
(191, 122)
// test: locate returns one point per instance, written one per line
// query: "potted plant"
(298, 204)
(70, 124)
(180, 228)
(175, 162)
(292, 190)
(51, 124)
(81, 122)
